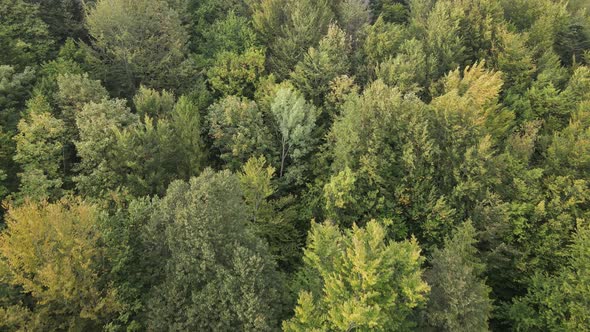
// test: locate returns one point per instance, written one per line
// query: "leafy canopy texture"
(459, 298)
(217, 275)
(52, 252)
(358, 280)
(143, 41)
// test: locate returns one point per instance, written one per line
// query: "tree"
(15, 89)
(236, 74)
(272, 219)
(385, 164)
(237, 128)
(289, 28)
(64, 18)
(142, 157)
(96, 123)
(138, 42)
(75, 91)
(295, 121)
(40, 152)
(353, 16)
(24, 37)
(391, 10)
(560, 301)
(459, 298)
(151, 103)
(255, 182)
(216, 275)
(231, 34)
(408, 70)
(357, 280)
(319, 66)
(185, 122)
(52, 251)
(382, 41)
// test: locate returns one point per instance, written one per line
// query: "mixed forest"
(294, 165)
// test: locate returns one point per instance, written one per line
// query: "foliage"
(24, 37)
(137, 42)
(149, 102)
(289, 28)
(356, 279)
(238, 131)
(461, 124)
(52, 252)
(39, 150)
(96, 123)
(558, 302)
(313, 74)
(459, 299)
(295, 121)
(236, 74)
(234, 284)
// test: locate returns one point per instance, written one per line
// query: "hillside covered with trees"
(295, 165)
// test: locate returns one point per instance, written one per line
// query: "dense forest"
(295, 165)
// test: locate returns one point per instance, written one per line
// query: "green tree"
(231, 34)
(289, 28)
(358, 280)
(24, 37)
(382, 41)
(149, 102)
(238, 131)
(391, 10)
(138, 42)
(53, 252)
(40, 152)
(408, 70)
(75, 91)
(459, 298)
(320, 66)
(236, 74)
(559, 302)
(217, 275)
(255, 182)
(270, 216)
(353, 16)
(15, 89)
(64, 18)
(96, 123)
(185, 122)
(142, 157)
(295, 120)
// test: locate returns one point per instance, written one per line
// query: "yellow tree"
(357, 280)
(52, 252)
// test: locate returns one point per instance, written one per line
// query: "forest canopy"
(295, 165)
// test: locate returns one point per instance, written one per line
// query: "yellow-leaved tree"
(52, 254)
